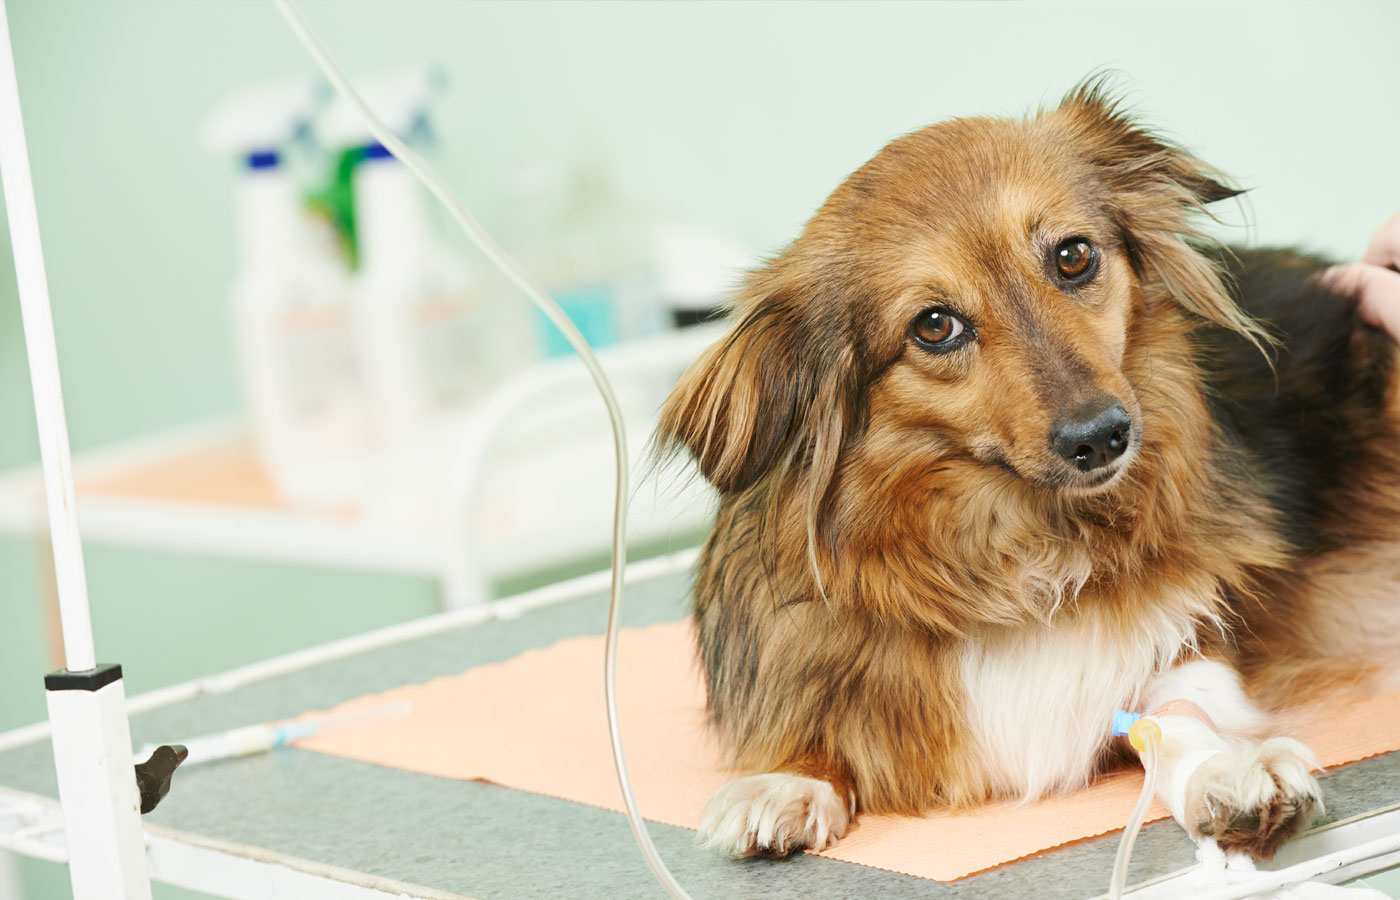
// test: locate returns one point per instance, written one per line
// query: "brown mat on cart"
(536, 723)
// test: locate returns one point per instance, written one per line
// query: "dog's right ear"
(769, 392)
(734, 408)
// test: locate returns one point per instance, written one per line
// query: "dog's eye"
(938, 329)
(1074, 259)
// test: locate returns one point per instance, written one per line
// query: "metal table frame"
(32, 824)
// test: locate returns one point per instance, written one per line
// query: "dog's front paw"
(1254, 796)
(773, 815)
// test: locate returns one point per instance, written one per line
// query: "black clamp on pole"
(153, 776)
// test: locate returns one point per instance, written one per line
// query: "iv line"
(523, 280)
(1145, 736)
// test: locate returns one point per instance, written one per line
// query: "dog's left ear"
(1157, 190)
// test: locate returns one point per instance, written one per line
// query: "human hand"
(1375, 281)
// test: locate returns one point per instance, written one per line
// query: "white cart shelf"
(512, 504)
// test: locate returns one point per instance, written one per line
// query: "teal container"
(593, 310)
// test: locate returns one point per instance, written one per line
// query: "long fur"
(902, 581)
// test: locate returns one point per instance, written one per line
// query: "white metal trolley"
(298, 824)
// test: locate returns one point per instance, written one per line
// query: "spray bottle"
(291, 301)
(432, 336)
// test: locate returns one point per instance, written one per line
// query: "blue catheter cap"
(1123, 721)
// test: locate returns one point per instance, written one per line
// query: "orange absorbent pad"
(536, 723)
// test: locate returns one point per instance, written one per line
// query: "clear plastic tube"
(546, 304)
(1149, 738)
(522, 279)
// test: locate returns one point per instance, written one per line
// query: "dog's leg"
(804, 805)
(1216, 776)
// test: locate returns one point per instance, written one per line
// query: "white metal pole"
(43, 365)
(87, 704)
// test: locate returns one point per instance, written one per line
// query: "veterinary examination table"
(297, 823)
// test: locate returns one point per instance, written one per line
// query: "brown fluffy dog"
(1003, 444)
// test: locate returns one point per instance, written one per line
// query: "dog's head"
(972, 290)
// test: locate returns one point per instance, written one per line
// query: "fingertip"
(1342, 279)
(1380, 300)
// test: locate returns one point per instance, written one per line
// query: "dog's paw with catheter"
(773, 815)
(1254, 796)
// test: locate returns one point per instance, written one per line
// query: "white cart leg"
(97, 784)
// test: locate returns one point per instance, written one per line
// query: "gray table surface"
(494, 843)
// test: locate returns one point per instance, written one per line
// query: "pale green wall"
(737, 115)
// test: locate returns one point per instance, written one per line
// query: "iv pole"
(86, 702)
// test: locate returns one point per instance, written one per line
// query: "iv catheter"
(523, 280)
(263, 738)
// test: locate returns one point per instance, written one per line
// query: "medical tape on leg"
(1176, 800)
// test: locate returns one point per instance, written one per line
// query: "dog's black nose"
(1093, 442)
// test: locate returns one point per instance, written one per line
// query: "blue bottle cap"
(376, 151)
(262, 159)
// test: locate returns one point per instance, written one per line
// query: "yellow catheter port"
(1145, 735)
(1143, 730)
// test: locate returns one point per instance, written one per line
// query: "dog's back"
(1316, 428)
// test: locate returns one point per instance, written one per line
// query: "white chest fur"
(1041, 696)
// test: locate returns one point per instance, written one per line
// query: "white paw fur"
(773, 815)
(1254, 796)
